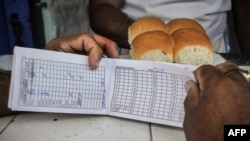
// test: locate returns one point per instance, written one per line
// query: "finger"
(80, 43)
(193, 95)
(109, 46)
(84, 43)
(225, 67)
(206, 76)
(94, 51)
(231, 70)
(70, 44)
(54, 44)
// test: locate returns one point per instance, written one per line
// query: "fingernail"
(188, 85)
(116, 53)
(97, 63)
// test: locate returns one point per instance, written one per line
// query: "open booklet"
(50, 81)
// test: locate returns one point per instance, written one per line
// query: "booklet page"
(49, 81)
(149, 91)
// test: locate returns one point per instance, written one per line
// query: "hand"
(218, 98)
(92, 44)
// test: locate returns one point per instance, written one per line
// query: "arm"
(241, 10)
(107, 19)
(5, 77)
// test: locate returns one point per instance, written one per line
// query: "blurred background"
(32, 23)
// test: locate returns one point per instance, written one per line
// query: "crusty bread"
(183, 41)
(143, 25)
(180, 23)
(192, 46)
(153, 46)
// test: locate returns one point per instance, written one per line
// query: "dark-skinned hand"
(217, 98)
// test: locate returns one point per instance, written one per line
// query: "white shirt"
(211, 14)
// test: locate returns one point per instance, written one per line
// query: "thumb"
(193, 95)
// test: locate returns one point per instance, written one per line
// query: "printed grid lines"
(147, 93)
(59, 84)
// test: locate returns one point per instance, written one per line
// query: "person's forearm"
(110, 22)
(5, 77)
(240, 9)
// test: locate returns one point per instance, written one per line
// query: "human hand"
(92, 44)
(218, 98)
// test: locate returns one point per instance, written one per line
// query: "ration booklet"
(50, 81)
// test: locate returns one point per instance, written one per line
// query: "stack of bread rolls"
(181, 41)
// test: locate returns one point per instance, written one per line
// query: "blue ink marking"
(158, 69)
(70, 75)
(79, 95)
(103, 96)
(79, 100)
(81, 77)
(44, 75)
(155, 69)
(103, 82)
(103, 101)
(31, 74)
(70, 94)
(44, 93)
(119, 107)
(30, 91)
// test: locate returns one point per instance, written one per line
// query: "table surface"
(72, 127)
(75, 127)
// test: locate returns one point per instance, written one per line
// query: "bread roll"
(152, 45)
(180, 23)
(181, 41)
(192, 46)
(143, 25)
